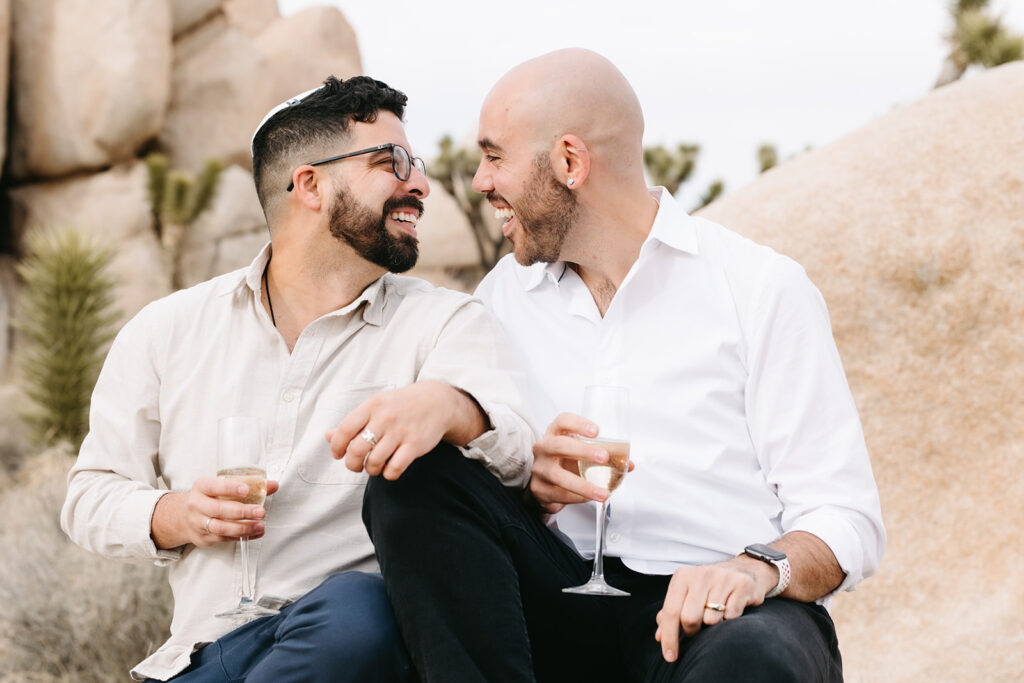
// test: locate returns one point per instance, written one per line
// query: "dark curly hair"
(317, 121)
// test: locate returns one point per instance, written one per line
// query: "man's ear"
(308, 186)
(572, 161)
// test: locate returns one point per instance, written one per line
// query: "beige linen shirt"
(211, 351)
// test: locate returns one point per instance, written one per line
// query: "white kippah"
(290, 102)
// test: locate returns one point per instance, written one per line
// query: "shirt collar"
(252, 277)
(672, 227)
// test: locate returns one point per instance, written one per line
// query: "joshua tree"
(66, 322)
(977, 38)
(176, 199)
(767, 156)
(714, 190)
(454, 169)
(670, 169)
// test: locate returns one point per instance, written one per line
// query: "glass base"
(596, 586)
(247, 609)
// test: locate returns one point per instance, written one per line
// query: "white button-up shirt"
(743, 427)
(211, 351)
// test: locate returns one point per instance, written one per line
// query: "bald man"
(752, 500)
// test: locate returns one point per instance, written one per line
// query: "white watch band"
(784, 576)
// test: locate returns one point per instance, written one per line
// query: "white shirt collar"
(672, 227)
(252, 277)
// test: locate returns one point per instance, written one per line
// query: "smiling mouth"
(505, 214)
(408, 219)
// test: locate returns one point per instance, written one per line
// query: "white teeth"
(504, 213)
(404, 216)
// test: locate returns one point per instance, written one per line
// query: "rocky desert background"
(912, 227)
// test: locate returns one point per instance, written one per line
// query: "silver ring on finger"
(369, 437)
(716, 606)
(206, 527)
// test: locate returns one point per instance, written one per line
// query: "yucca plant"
(66, 322)
(176, 199)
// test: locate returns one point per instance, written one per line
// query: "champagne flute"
(608, 407)
(239, 454)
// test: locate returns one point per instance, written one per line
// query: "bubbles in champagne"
(253, 477)
(607, 476)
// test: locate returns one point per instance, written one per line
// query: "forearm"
(815, 570)
(166, 530)
(468, 420)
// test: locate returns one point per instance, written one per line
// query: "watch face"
(765, 552)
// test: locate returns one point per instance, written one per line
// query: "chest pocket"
(317, 465)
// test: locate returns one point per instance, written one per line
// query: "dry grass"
(67, 614)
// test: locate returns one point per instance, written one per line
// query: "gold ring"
(717, 606)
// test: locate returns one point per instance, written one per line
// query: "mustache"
(406, 202)
(493, 196)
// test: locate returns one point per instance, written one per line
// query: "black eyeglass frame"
(421, 167)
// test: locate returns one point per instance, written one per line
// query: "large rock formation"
(5, 41)
(228, 74)
(90, 83)
(113, 210)
(913, 229)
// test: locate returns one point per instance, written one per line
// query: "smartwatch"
(766, 553)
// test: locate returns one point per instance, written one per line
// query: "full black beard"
(368, 234)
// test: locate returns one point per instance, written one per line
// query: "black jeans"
(475, 580)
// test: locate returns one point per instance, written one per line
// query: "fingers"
(697, 597)
(668, 618)
(213, 516)
(347, 430)
(570, 423)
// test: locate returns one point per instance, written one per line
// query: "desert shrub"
(67, 614)
(66, 323)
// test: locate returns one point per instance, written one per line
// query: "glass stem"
(598, 573)
(243, 544)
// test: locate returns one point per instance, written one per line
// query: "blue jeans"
(342, 630)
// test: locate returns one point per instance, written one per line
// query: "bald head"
(572, 91)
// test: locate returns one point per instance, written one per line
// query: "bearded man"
(316, 338)
(752, 501)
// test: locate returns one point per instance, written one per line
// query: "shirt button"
(288, 397)
(615, 537)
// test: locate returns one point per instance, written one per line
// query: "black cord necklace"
(270, 304)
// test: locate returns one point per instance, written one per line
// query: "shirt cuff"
(842, 539)
(137, 514)
(505, 450)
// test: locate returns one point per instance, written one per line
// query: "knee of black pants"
(416, 496)
(759, 646)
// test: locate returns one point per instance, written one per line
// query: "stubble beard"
(547, 212)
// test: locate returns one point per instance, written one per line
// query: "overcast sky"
(726, 74)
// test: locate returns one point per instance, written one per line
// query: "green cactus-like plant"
(670, 169)
(977, 38)
(66, 322)
(176, 199)
(767, 156)
(454, 169)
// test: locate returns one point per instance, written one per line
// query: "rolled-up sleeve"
(805, 426)
(113, 486)
(471, 354)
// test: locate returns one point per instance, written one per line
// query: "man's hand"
(736, 584)
(556, 480)
(208, 513)
(406, 423)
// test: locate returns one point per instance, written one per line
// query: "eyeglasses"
(401, 163)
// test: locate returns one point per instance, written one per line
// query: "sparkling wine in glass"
(607, 407)
(239, 453)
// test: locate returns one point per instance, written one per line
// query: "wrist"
(776, 559)
(164, 527)
(468, 420)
